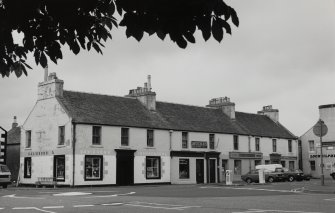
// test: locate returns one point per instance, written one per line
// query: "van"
(269, 167)
(4, 176)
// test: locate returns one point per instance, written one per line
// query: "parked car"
(292, 175)
(276, 175)
(332, 173)
(4, 176)
(251, 176)
(270, 176)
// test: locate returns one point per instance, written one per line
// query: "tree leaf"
(43, 60)
(189, 36)
(217, 30)
(226, 26)
(234, 17)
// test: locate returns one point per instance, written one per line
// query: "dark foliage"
(46, 25)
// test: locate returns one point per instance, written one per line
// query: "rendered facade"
(90, 139)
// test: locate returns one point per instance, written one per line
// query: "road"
(278, 197)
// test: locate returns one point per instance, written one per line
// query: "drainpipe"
(73, 152)
(249, 149)
(170, 133)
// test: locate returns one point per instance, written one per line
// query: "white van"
(4, 176)
(269, 167)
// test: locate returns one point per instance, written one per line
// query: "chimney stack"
(46, 74)
(52, 87)
(225, 105)
(271, 113)
(14, 124)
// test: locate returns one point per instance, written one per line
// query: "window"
(283, 163)
(124, 136)
(28, 138)
(93, 167)
(59, 167)
(291, 165)
(61, 135)
(235, 142)
(312, 164)
(274, 145)
(96, 136)
(257, 144)
(311, 146)
(150, 138)
(153, 167)
(266, 162)
(289, 145)
(237, 167)
(184, 168)
(184, 142)
(27, 167)
(211, 141)
(258, 162)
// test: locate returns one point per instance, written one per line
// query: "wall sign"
(199, 144)
(245, 155)
(324, 155)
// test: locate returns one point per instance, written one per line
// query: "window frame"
(312, 165)
(124, 137)
(96, 135)
(235, 142)
(257, 144)
(55, 168)
(184, 140)
(188, 168)
(28, 139)
(25, 170)
(211, 141)
(311, 148)
(61, 135)
(159, 167)
(150, 138)
(274, 145)
(290, 147)
(100, 157)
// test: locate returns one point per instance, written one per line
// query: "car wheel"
(248, 180)
(271, 179)
(291, 178)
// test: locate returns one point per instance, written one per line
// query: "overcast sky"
(282, 54)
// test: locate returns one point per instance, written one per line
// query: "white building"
(91, 139)
(311, 149)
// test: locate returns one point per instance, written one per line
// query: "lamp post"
(320, 129)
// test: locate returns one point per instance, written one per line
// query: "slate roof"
(124, 111)
(14, 135)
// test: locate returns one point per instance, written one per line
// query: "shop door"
(200, 170)
(212, 169)
(223, 170)
(124, 168)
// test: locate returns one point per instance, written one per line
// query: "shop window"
(237, 167)
(59, 167)
(291, 165)
(184, 143)
(235, 142)
(211, 141)
(96, 136)
(312, 165)
(184, 168)
(311, 146)
(93, 167)
(257, 148)
(274, 145)
(61, 135)
(153, 167)
(289, 145)
(258, 162)
(283, 163)
(28, 138)
(27, 168)
(124, 136)
(150, 138)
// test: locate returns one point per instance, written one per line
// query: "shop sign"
(199, 144)
(324, 155)
(39, 153)
(245, 155)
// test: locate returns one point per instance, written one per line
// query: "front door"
(212, 168)
(125, 167)
(200, 170)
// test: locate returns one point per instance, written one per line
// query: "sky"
(282, 54)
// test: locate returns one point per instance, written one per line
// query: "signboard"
(320, 129)
(245, 155)
(199, 144)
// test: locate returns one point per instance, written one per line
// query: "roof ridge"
(167, 102)
(92, 93)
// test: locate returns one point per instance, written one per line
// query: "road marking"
(80, 206)
(72, 194)
(112, 204)
(257, 189)
(2, 208)
(153, 207)
(34, 208)
(272, 210)
(53, 207)
(160, 205)
(330, 199)
(13, 196)
(114, 195)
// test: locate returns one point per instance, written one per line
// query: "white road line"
(13, 196)
(80, 206)
(2, 208)
(330, 199)
(111, 204)
(34, 208)
(256, 189)
(153, 207)
(114, 195)
(158, 204)
(53, 207)
(274, 210)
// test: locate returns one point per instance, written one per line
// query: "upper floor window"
(124, 136)
(211, 141)
(235, 142)
(289, 145)
(184, 143)
(96, 136)
(61, 135)
(257, 147)
(28, 138)
(150, 138)
(274, 145)
(311, 145)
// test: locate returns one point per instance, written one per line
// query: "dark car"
(251, 176)
(292, 175)
(277, 175)
(332, 174)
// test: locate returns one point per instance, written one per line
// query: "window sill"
(27, 148)
(150, 148)
(96, 146)
(61, 146)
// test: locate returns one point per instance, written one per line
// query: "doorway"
(200, 170)
(212, 169)
(124, 167)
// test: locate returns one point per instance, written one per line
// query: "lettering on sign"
(199, 144)
(325, 156)
(38, 153)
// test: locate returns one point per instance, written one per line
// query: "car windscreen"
(4, 169)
